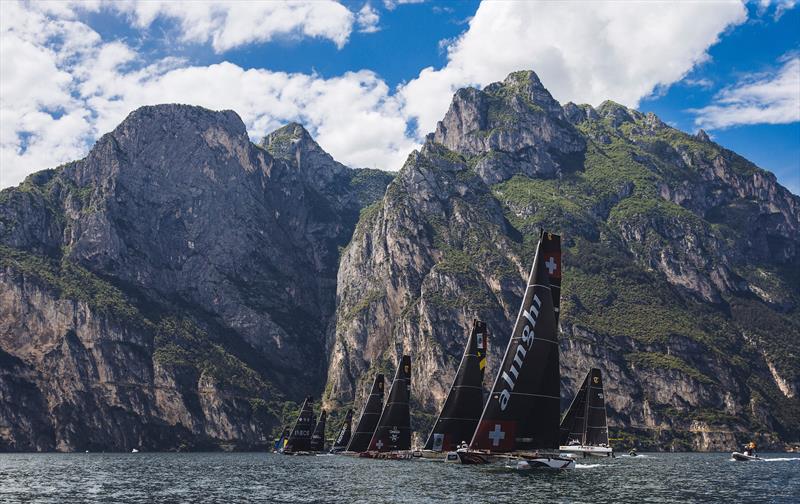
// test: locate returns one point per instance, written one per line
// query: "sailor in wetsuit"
(750, 449)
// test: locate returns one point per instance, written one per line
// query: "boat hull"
(393, 455)
(742, 457)
(522, 461)
(587, 451)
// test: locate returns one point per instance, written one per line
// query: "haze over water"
(258, 477)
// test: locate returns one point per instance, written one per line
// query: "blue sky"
(369, 79)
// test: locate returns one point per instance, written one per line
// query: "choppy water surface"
(258, 477)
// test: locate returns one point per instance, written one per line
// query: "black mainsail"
(343, 439)
(585, 420)
(365, 427)
(300, 437)
(464, 404)
(318, 437)
(394, 427)
(523, 409)
(551, 256)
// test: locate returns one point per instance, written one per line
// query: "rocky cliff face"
(179, 286)
(172, 289)
(681, 266)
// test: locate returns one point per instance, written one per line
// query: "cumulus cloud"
(63, 85)
(367, 19)
(227, 25)
(582, 51)
(764, 98)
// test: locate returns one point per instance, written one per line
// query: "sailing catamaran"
(281, 441)
(464, 404)
(299, 441)
(520, 422)
(392, 437)
(584, 429)
(369, 418)
(318, 437)
(343, 439)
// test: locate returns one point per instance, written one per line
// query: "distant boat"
(464, 403)
(299, 441)
(743, 457)
(584, 429)
(134, 451)
(318, 437)
(343, 439)
(281, 441)
(392, 437)
(368, 420)
(520, 422)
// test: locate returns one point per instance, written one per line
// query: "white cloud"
(582, 51)
(391, 4)
(63, 86)
(227, 25)
(702, 83)
(781, 6)
(771, 98)
(367, 19)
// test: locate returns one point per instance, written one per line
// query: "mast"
(394, 427)
(318, 437)
(300, 437)
(343, 439)
(596, 433)
(464, 403)
(573, 425)
(523, 409)
(369, 417)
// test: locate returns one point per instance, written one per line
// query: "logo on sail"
(523, 346)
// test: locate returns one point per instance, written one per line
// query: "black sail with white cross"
(318, 437)
(368, 420)
(523, 411)
(551, 255)
(394, 427)
(464, 404)
(300, 437)
(343, 439)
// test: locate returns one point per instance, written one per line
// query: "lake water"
(259, 477)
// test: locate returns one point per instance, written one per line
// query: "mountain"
(180, 287)
(171, 290)
(681, 280)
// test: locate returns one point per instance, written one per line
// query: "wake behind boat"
(584, 430)
(520, 422)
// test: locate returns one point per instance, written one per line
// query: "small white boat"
(134, 451)
(743, 457)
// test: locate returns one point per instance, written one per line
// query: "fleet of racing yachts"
(520, 421)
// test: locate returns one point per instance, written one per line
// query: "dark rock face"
(680, 280)
(216, 249)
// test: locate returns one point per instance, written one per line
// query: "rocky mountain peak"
(702, 136)
(509, 128)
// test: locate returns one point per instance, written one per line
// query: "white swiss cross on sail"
(551, 265)
(497, 435)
